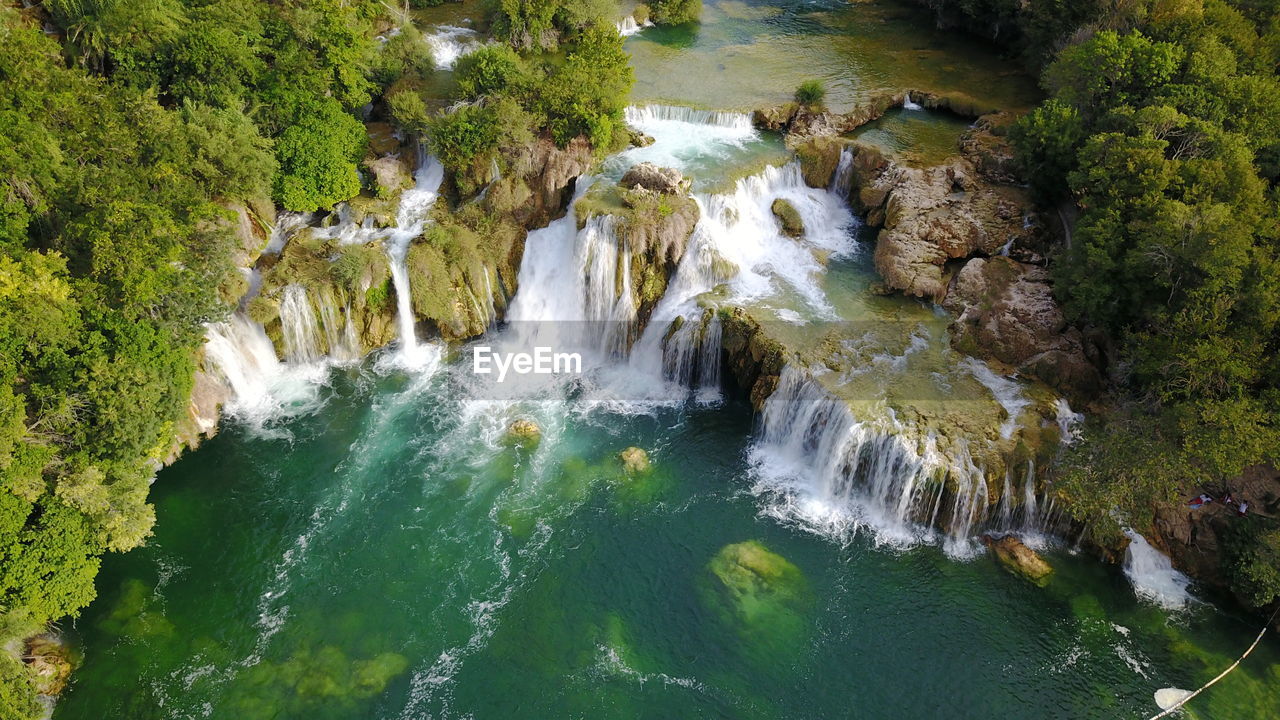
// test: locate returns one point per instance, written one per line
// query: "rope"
(1222, 674)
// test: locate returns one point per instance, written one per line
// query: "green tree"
(317, 157)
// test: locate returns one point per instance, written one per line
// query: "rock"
(389, 175)
(646, 175)
(775, 119)
(524, 432)
(986, 147)
(755, 359)
(539, 182)
(1019, 559)
(634, 460)
(788, 217)
(932, 215)
(1006, 311)
(639, 139)
(755, 584)
(819, 158)
(49, 664)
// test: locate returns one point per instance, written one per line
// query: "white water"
(833, 474)
(298, 323)
(239, 351)
(448, 43)
(907, 104)
(1153, 576)
(411, 218)
(628, 26)
(1006, 392)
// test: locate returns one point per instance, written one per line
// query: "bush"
(487, 70)
(318, 156)
(810, 92)
(675, 12)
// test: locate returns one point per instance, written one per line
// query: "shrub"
(487, 70)
(810, 92)
(675, 12)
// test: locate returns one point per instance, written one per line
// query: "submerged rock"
(524, 432)
(667, 181)
(756, 586)
(788, 217)
(634, 460)
(1019, 559)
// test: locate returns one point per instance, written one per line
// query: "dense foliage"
(1163, 129)
(578, 91)
(123, 143)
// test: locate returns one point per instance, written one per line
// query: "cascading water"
(628, 26)
(300, 329)
(907, 103)
(1153, 575)
(448, 43)
(239, 351)
(836, 474)
(411, 218)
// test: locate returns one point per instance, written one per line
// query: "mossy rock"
(756, 588)
(788, 217)
(1019, 559)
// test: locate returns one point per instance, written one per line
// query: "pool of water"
(919, 138)
(754, 53)
(388, 558)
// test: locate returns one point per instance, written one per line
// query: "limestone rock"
(539, 181)
(646, 175)
(634, 460)
(932, 215)
(788, 217)
(1019, 559)
(986, 146)
(382, 138)
(756, 584)
(819, 158)
(775, 119)
(1006, 310)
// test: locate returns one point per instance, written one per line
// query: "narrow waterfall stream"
(397, 554)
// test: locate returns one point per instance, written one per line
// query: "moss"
(788, 217)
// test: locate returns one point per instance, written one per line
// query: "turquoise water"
(386, 560)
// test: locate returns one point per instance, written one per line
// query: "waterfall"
(641, 116)
(1153, 576)
(411, 218)
(907, 104)
(239, 351)
(339, 331)
(832, 473)
(448, 43)
(609, 309)
(1068, 422)
(628, 26)
(842, 180)
(300, 329)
